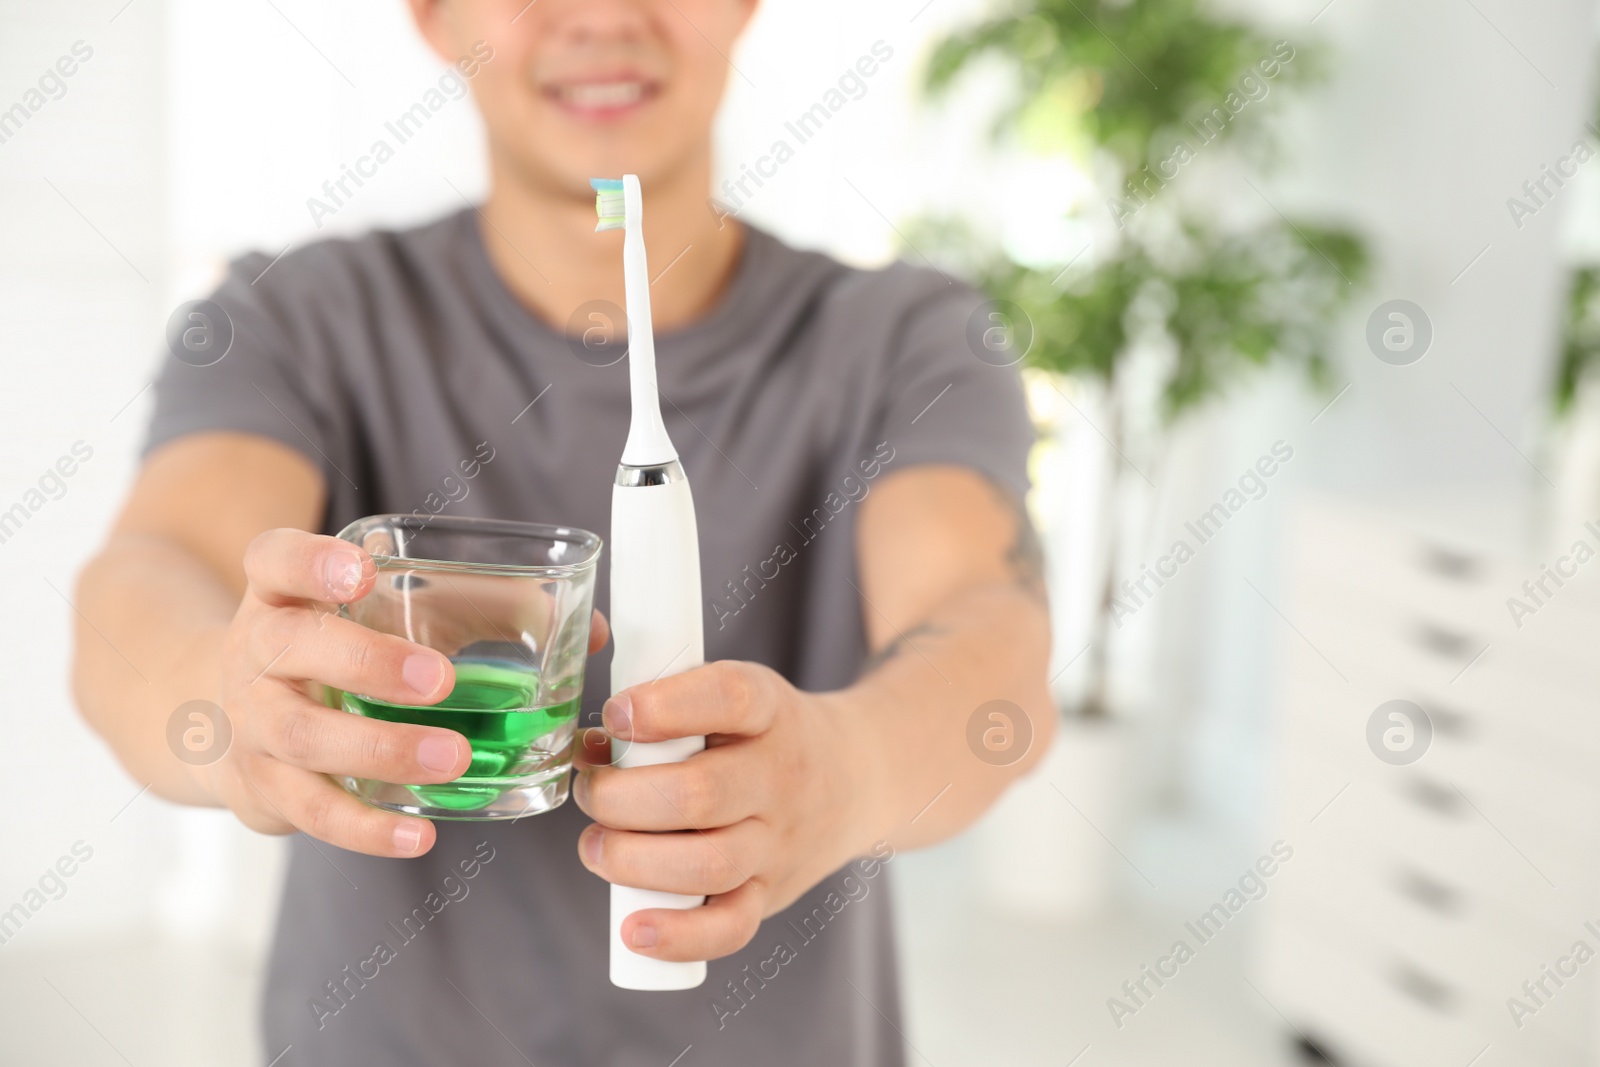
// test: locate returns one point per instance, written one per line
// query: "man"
(858, 475)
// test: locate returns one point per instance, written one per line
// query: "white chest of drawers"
(1422, 897)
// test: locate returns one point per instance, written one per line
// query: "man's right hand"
(287, 637)
(190, 598)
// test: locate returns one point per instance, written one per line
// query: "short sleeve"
(231, 362)
(943, 404)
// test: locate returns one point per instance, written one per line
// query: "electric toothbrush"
(656, 627)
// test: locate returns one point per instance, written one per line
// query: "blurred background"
(1305, 291)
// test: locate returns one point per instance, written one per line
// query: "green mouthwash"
(495, 706)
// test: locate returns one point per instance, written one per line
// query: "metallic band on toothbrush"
(650, 474)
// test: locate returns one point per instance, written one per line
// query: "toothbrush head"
(609, 203)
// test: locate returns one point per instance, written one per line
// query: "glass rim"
(472, 525)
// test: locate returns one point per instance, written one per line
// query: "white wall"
(78, 295)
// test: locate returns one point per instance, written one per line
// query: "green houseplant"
(1571, 437)
(1135, 91)
(1580, 341)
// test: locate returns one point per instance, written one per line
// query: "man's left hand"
(772, 806)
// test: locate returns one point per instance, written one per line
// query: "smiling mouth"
(602, 99)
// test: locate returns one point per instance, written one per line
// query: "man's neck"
(545, 248)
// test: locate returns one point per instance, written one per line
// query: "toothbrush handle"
(657, 631)
(630, 970)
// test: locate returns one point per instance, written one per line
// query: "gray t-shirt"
(397, 363)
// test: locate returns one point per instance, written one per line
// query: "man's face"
(577, 89)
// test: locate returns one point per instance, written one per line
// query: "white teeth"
(603, 94)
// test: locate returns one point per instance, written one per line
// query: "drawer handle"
(1448, 722)
(1423, 988)
(1441, 642)
(1435, 798)
(1429, 892)
(1448, 563)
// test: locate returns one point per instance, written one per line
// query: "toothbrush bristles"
(608, 203)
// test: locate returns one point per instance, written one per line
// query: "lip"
(602, 98)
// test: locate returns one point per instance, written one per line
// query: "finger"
(726, 697)
(599, 632)
(693, 862)
(318, 738)
(306, 643)
(319, 808)
(723, 926)
(286, 565)
(593, 749)
(229, 783)
(709, 789)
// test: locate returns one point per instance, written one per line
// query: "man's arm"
(157, 599)
(792, 785)
(953, 591)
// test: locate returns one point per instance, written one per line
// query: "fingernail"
(591, 849)
(597, 746)
(580, 789)
(438, 753)
(644, 936)
(341, 572)
(408, 837)
(618, 716)
(422, 673)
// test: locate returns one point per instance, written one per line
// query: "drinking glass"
(509, 603)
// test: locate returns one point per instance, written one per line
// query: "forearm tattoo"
(899, 646)
(1025, 557)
